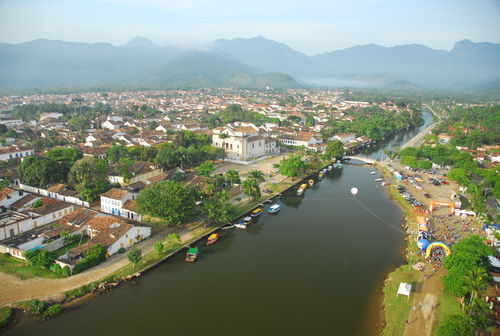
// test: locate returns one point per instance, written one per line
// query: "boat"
(378, 180)
(256, 212)
(311, 182)
(330, 167)
(372, 173)
(324, 171)
(321, 175)
(300, 191)
(337, 165)
(382, 184)
(274, 208)
(192, 254)
(240, 225)
(247, 220)
(212, 238)
(303, 186)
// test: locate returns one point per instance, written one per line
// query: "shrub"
(36, 307)
(93, 256)
(122, 250)
(36, 204)
(53, 310)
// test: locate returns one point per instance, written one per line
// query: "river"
(312, 269)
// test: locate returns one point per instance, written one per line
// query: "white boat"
(382, 184)
(324, 170)
(330, 167)
(274, 208)
(378, 180)
(372, 173)
(300, 191)
(240, 225)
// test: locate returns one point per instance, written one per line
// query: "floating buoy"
(354, 190)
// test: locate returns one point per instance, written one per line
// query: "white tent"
(404, 289)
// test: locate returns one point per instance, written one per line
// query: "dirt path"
(422, 316)
(13, 289)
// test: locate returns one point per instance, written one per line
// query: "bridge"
(360, 158)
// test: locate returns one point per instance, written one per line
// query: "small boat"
(378, 180)
(324, 171)
(321, 175)
(300, 191)
(240, 225)
(311, 182)
(256, 212)
(212, 238)
(372, 173)
(247, 220)
(192, 254)
(382, 184)
(330, 167)
(303, 186)
(274, 208)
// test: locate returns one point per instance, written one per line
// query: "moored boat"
(311, 182)
(300, 191)
(256, 212)
(378, 180)
(372, 173)
(324, 171)
(212, 238)
(330, 167)
(274, 208)
(240, 225)
(320, 176)
(303, 186)
(247, 220)
(192, 254)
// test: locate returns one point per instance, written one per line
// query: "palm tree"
(232, 177)
(223, 136)
(476, 282)
(257, 175)
(251, 188)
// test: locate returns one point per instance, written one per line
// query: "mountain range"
(244, 63)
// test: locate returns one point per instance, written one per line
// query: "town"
(128, 178)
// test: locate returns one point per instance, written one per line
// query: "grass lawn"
(397, 308)
(22, 269)
(65, 249)
(6, 314)
(278, 187)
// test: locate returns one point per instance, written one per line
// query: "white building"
(120, 202)
(14, 152)
(244, 144)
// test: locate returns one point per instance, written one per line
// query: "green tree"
(171, 239)
(134, 255)
(218, 209)
(292, 167)
(168, 200)
(52, 310)
(232, 177)
(37, 171)
(456, 325)
(89, 177)
(158, 246)
(40, 258)
(257, 175)
(251, 188)
(205, 169)
(36, 307)
(334, 149)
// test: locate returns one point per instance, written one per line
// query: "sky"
(309, 26)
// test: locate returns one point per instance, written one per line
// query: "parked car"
(426, 195)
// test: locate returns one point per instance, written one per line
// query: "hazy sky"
(310, 26)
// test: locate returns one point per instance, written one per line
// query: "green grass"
(65, 249)
(6, 315)
(447, 305)
(397, 308)
(23, 270)
(276, 188)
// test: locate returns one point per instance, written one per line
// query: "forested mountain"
(467, 65)
(255, 62)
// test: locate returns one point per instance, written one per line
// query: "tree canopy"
(292, 166)
(168, 200)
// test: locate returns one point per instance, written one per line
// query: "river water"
(312, 269)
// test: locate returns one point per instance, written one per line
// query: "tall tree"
(232, 177)
(292, 167)
(217, 208)
(251, 188)
(168, 200)
(257, 174)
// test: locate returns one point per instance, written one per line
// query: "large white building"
(244, 144)
(14, 152)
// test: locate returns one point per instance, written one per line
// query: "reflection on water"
(306, 271)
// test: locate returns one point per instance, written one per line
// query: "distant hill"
(255, 62)
(467, 65)
(141, 42)
(140, 63)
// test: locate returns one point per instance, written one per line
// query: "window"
(27, 154)
(17, 155)
(10, 156)
(21, 154)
